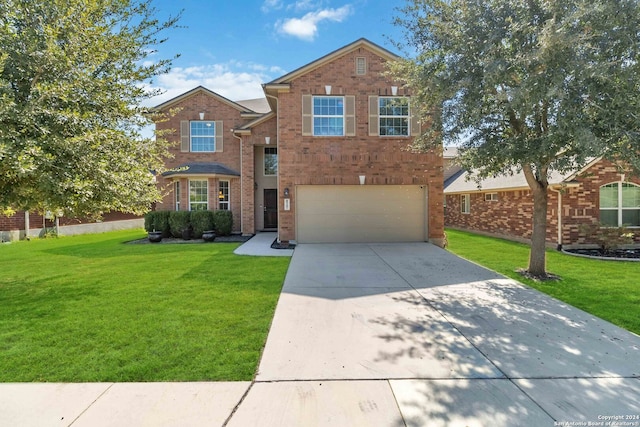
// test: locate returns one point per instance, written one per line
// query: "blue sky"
(231, 47)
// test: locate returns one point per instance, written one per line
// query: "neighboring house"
(322, 159)
(16, 226)
(503, 206)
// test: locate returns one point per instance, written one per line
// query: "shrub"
(223, 221)
(201, 221)
(158, 221)
(179, 221)
(608, 238)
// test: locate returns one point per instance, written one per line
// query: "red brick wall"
(340, 160)
(214, 109)
(511, 215)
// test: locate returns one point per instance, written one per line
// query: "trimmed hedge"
(223, 221)
(201, 221)
(158, 221)
(179, 221)
(171, 223)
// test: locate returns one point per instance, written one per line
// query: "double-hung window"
(620, 204)
(393, 115)
(223, 195)
(176, 193)
(465, 203)
(203, 136)
(198, 195)
(328, 116)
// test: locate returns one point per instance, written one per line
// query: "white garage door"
(360, 213)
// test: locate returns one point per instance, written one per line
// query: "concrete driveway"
(409, 334)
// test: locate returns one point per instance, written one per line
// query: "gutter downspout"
(239, 138)
(277, 142)
(559, 191)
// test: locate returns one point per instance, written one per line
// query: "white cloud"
(306, 28)
(270, 5)
(233, 80)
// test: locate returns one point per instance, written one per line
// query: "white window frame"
(264, 161)
(619, 207)
(406, 118)
(196, 138)
(490, 197)
(224, 195)
(327, 116)
(176, 194)
(198, 202)
(465, 203)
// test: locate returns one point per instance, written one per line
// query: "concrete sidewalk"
(385, 335)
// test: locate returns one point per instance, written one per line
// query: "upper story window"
(203, 136)
(620, 204)
(328, 115)
(393, 115)
(270, 161)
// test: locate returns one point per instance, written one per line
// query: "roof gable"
(204, 90)
(360, 43)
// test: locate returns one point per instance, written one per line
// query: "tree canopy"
(73, 75)
(526, 86)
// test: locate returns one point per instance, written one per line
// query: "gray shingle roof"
(196, 168)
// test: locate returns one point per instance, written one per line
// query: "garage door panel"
(360, 213)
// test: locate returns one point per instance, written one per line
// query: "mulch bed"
(234, 238)
(626, 254)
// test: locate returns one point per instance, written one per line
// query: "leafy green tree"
(526, 85)
(73, 74)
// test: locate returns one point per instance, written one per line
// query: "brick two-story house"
(321, 159)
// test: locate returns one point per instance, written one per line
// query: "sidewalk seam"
(235, 408)
(91, 404)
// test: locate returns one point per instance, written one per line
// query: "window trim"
(361, 66)
(465, 203)
(407, 117)
(619, 205)
(222, 202)
(491, 197)
(206, 203)
(176, 194)
(264, 161)
(191, 136)
(314, 115)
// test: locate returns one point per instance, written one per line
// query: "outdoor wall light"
(202, 115)
(267, 140)
(286, 192)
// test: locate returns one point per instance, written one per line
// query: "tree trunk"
(537, 256)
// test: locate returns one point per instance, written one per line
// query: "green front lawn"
(607, 289)
(91, 308)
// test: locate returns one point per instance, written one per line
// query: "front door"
(270, 208)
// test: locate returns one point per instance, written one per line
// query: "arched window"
(620, 204)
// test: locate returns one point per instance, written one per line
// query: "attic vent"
(361, 66)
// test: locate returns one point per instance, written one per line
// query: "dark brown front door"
(270, 208)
